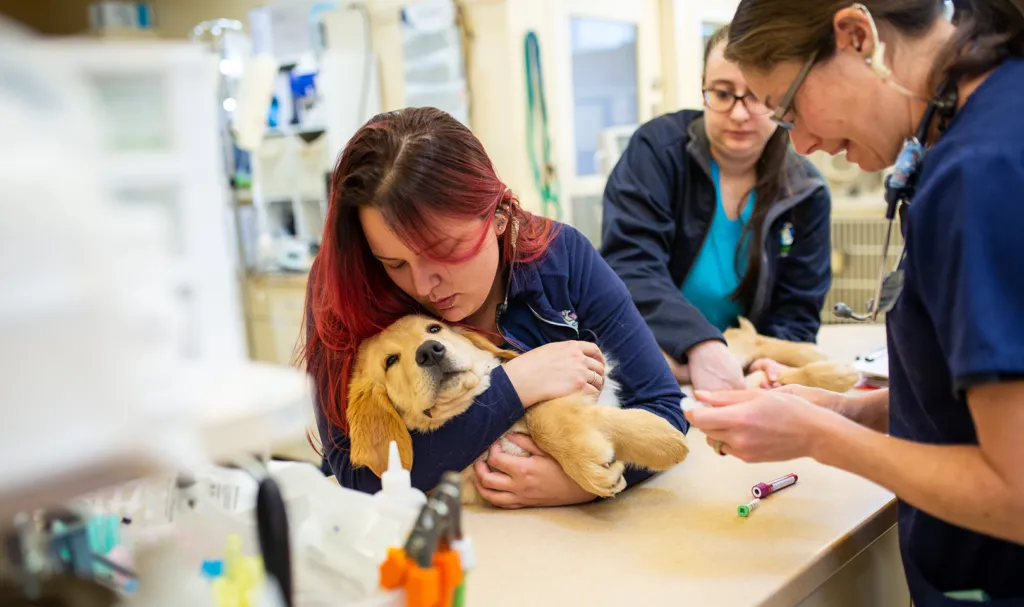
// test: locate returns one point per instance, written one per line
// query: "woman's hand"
(556, 369)
(712, 367)
(759, 426)
(519, 482)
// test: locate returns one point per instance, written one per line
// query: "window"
(604, 80)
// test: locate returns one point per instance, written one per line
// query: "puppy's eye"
(390, 361)
(435, 328)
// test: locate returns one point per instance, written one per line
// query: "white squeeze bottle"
(396, 490)
(397, 504)
(394, 511)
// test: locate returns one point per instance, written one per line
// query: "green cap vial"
(744, 510)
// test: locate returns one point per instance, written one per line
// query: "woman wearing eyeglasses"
(946, 437)
(711, 215)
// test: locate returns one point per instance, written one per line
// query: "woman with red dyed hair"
(419, 222)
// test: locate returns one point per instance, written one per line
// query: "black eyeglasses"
(723, 101)
(786, 105)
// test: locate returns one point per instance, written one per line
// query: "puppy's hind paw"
(604, 480)
(647, 441)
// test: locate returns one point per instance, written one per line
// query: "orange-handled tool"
(422, 587)
(447, 563)
(427, 568)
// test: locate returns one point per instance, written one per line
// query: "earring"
(514, 235)
(877, 58)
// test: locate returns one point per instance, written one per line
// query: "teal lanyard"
(543, 177)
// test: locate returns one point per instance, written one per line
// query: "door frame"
(684, 48)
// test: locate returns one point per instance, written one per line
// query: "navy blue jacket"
(568, 294)
(658, 206)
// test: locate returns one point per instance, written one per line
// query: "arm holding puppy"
(605, 309)
(547, 372)
(459, 442)
(556, 369)
(453, 446)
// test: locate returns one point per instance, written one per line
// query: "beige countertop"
(677, 540)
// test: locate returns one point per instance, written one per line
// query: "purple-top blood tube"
(763, 490)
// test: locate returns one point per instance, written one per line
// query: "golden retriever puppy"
(418, 374)
(808, 364)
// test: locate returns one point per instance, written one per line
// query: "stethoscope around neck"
(900, 187)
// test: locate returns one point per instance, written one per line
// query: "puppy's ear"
(485, 344)
(373, 423)
(743, 342)
(746, 326)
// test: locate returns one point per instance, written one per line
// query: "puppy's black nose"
(430, 354)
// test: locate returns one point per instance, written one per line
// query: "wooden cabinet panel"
(274, 307)
(273, 342)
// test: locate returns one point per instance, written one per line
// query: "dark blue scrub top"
(960, 323)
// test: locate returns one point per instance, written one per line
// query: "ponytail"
(988, 32)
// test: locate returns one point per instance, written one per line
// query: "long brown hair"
(772, 185)
(765, 33)
(414, 165)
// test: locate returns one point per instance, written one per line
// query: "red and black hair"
(413, 165)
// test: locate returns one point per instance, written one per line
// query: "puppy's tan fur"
(810, 365)
(591, 442)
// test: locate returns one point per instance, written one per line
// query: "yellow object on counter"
(243, 575)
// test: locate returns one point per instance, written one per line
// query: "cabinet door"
(273, 342)
(274, 314)
(607, 74)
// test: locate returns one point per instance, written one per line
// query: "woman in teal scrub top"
(946, 437)
(711, 215)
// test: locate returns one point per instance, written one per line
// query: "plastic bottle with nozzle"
(396, 485)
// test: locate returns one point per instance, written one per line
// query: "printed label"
(570, 318)
(786, 239)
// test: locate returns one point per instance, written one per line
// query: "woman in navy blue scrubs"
(947, 437)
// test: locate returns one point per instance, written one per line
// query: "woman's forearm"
(870, 410)
(952, 482)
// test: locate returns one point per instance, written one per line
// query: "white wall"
(684, 45)
(498, 79)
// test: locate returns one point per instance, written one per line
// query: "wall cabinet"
(274, 305)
